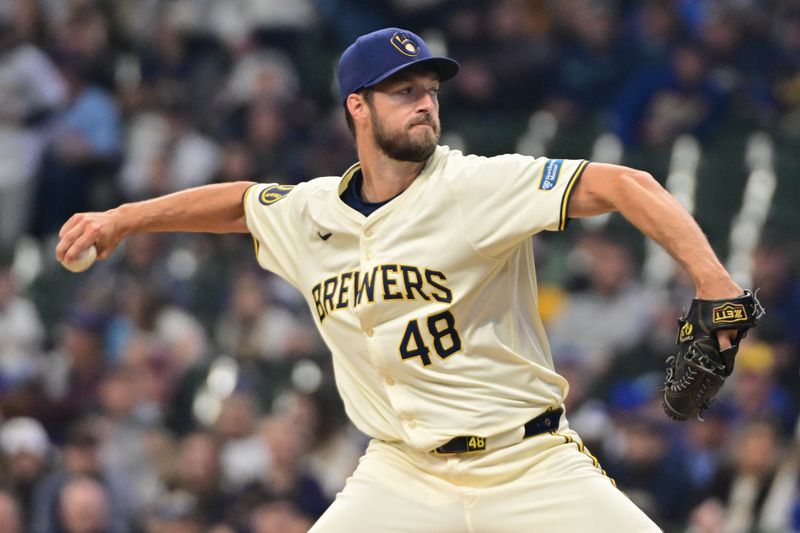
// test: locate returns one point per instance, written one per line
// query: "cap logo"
(404, 44)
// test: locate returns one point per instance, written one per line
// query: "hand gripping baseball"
(84, 231)
(697, 372)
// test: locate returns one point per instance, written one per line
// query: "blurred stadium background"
(177, 388)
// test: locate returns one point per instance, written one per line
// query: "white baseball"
(83, 261)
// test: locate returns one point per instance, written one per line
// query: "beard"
(401, 145)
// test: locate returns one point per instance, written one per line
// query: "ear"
(357, 106)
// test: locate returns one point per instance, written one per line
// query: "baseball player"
(417, 265)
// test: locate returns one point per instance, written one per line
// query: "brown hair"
(367, 94)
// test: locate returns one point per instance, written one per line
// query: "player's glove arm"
(656, 213)
(720, 316)
(209, 209)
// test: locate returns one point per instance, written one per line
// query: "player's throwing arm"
(210, 209)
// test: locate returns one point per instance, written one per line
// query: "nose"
(427, 102)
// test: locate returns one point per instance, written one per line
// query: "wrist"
(718, 288)
(123, 220)
(710, 278)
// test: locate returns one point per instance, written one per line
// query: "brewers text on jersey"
(394, 282)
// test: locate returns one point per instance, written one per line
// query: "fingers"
(103, 251)
(725, 338)
(68, 238)
(68, 234)
(69, 224)
(86, 239)
(79, 233)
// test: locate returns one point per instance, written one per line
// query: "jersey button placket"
(366, 233)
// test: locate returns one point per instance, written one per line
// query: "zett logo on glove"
(729, 314)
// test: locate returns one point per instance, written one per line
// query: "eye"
(405, 90)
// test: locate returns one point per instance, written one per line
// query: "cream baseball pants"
(546, 483)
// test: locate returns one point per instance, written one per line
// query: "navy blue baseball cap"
(377, 55)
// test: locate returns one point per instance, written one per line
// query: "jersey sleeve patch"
(550, 174)
(274, 193)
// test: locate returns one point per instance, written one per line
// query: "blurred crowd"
(178, 388)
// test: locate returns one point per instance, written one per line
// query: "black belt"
(541, 424)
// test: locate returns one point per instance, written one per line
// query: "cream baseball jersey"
(428, 305)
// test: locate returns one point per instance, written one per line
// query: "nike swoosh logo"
(324, 237)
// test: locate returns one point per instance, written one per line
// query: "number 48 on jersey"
(442, 330)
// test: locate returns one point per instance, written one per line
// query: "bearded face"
(414, 141)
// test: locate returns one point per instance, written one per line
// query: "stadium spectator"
(656, 27)
(197, 479)
(31, 92)
(784, 77)
(614, 309)
(754, 392)
(775, 273)
(667, 100)
(168, 153)
(255, 327)
(243, 456)
(126, 425)
(82, 151)
(279, 517)
(10, 518)
(650, 469)
(286, 478)
(26, 459)
(751, 486)
(83, 508)
(81, 491)
(21, 341)
(595, 59)
(705, 449)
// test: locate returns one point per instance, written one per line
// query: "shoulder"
(315, 191)
(303, 193)
(456, 166)
(319, 186)
(444, 158)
